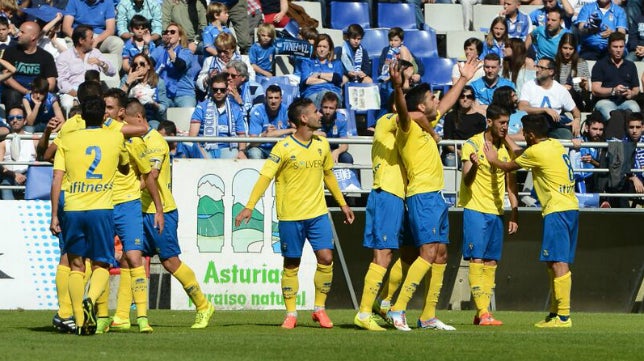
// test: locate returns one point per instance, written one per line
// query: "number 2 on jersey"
(97, 159)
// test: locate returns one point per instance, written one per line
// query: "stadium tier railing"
(363, 161)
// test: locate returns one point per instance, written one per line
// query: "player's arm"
(399, 98)
(56, 184)
(258, 190)
(331, 183)
(133, 130)
(513, 196)
(470, 167)
(151, 184)
(514, 149)
(493, 159)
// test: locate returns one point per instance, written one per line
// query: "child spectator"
(496, 38)
(262, 53)
(40, 106)
(354, 56)
(397, 51)
(517, 22)
(6, 39)
(309, 34)
(141, 41)
(217, 17)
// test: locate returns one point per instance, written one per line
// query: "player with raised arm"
(300, 164)
(554, 182)
(482, 192)
(426, 205)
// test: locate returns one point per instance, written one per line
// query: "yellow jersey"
(77, 123)
(158, 153)
(553, 176)
(298, 170)
(128, 187)
(419, 154)
(486, 193)
(388, 171)
(90, 158)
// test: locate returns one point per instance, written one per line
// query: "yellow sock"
(102, 308)
(88, 271)
(140, 290)
(372, 283)
(562, 286)
(433, 291)
(489, 283)
(290, 286)
(186, 276)
(477, 285)
(98, 283)
(416, 272)
(392, 283)
(553, 299)
(322, 279)
(76, 295)
(124, 296)
(62, 290)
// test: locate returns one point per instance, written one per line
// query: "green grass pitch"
(255, 335)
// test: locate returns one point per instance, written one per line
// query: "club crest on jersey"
(320, 151)
(274, 158)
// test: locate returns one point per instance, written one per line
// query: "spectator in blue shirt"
(262, 53)
(218, 116)
(485, 86)
(179, 150)
(636, 39)
(217, 17)
(496, 38)
(354, 56)
(100, 15)
(149, 9)
(323, 73)
(545, 39)
(517, 22)
(596, 21)
(139, 42)
(172, 62)
(538, 17)
(334, 125)
(269, 119)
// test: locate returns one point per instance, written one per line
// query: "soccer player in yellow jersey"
(64, 320)
(300, 163)
(554, 182)
(165, 242)
(481, 195)
(128, 222)
(88, 159)
(428, 218)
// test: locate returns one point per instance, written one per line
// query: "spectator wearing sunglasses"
(24, 152)
(461, 123)
(219, 116)
(144, 84)
(225, 45)
(173, 64)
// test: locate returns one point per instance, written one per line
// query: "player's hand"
(395, 74)
(490, 152)
(54, 226)
(159, 221)
(244, 215)
(513, 227)
(348, 214)
(469, 67)
(53, 124)
(474, 159)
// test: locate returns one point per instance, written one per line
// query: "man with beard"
(589, 158)
(30, 62)
(269, 119)
(544, 95)
(483, 188)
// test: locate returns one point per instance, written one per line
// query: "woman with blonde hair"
(226, 46)
(173, 63)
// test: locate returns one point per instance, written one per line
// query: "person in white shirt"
(16, 150)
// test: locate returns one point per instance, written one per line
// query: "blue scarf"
(211, 124)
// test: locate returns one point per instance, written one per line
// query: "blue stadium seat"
(438, 72)
(344, 14)
(374, 40)
(396, 14)
(422, 43)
